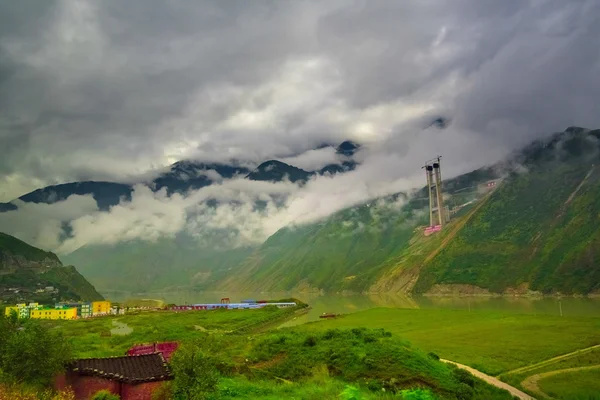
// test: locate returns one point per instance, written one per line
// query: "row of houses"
(244, 305)
(63, 310)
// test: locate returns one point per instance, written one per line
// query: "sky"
(117, 90)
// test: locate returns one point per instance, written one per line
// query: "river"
(335, 303)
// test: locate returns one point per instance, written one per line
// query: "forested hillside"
(26, 273)
(540, 230)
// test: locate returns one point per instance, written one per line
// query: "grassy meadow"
(93, 338)
(490, 342)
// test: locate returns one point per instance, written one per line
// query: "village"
(143, 367)
(77, 310)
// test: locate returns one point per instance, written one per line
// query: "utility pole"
(560, 307)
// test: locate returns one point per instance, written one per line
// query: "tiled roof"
(130, 369)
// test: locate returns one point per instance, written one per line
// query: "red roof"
(130, 369)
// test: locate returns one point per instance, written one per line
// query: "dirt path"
(120, 328)
(551, 360)
(532, 382)
(493, 381)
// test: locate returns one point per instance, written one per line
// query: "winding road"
(492, 381)
(531, 383)
(551, 360)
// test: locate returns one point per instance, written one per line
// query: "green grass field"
(87, 338)
(577, 385)
(490, 342)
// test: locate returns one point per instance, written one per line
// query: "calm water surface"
(352, 303)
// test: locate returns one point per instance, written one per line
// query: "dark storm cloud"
(106, 90)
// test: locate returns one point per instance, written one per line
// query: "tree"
(30, 353)
(195, 373)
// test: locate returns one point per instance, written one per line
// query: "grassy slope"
(490, 342)
(374, 358)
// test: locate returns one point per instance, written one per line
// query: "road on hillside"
(493, 381)
(551, 360)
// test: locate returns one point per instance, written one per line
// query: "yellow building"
(54, 313)
(23, 310)
(100, 307)
(9, 310)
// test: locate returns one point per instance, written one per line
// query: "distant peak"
(440, 122)
(272, 164)
(575, 129)
(348, 148)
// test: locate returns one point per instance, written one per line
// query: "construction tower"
(437, 213)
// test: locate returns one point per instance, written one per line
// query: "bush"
(195, 373)
(351, 393)
(417, 394)
(105, 395)
(464, 377)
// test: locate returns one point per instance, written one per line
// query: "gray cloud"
(113, 90)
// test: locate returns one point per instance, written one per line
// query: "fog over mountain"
(119, 91)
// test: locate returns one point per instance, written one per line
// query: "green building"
(84, 310)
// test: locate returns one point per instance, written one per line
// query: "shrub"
(464, 377)
(351, 393)
(417, 394)
(105, 395)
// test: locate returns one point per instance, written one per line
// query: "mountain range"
(528, 224)
(184, 176)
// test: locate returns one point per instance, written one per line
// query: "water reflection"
(336, 303)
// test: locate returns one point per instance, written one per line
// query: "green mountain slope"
(25, 271)
(11, 245)
(537, 231)
(342, 253)
(144, 266)
(350, 250)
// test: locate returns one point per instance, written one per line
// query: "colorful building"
(84, 310)
(54, 313)
(231, 306)
(100, 308)
(23, 310)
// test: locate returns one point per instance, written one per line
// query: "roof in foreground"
(129, 369)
